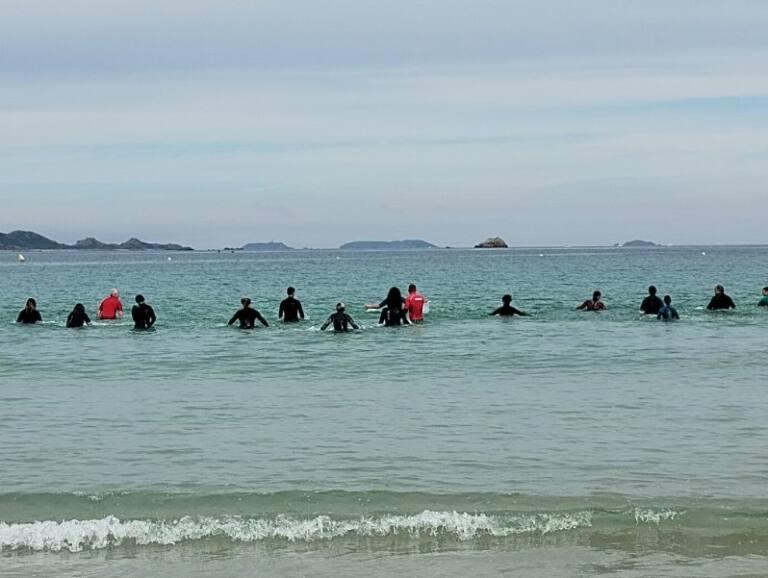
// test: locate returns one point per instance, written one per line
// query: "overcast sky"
(222, 122)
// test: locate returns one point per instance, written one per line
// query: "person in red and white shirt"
(111, 307)
(414, 304)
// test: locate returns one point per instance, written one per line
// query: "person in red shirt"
(111, 307)
(414, 304)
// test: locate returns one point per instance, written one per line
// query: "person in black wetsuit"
(290, 308)
(340, 320)
(506, 309)
(143, 315)
(667, 313)
(651, 305)
(247, 316)
(29, 314)
(720, 300)
(78, 317)
(393, 310)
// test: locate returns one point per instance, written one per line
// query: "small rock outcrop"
(493, 243)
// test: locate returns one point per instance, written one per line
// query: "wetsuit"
(341, 322)
(143, 316)
(290, 310)
(652, 305)
(763, 302)
(393, 316)
(29, 316)
(507, 311)
(247, 317)
(721, 301)
(77, 319)
(590, 305)
(667, 313)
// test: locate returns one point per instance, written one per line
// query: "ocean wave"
(79, 535)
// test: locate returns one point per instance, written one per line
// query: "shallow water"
(566, 443)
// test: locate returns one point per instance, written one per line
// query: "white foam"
(78, 535)
(649, 516)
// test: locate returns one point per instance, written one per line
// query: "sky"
(220, 122)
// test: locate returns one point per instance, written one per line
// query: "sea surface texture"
(562, 444)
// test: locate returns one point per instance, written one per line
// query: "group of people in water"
(394, 309)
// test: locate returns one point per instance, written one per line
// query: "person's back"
(340, 320)
(143, 315)
(247, 316)
(667, 312)
(506, 309)
(720, 300)
(414, 304)
(111, 307)
(290, 308)
(78, 317)
(651, 305)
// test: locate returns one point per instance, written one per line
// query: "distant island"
(28, 240)
(407, 244)
(639, 243)
(493, 243)
(271, 246)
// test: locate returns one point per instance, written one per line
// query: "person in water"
(414, 304)
(340, 320)
(29, 315)
(111, 307)
(290, 308)
(506, 309)
(247, 316)
(143, 315)
(667, 312)
(594, 304)
(720, 300)
(78, 317)
(393, 310)
(651, 305)
(764, 301)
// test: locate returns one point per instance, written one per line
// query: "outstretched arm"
(260, 317)
(325, 325)
(352, 322)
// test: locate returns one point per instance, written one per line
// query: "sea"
(564, 443)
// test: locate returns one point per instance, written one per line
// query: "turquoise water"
(567, 443)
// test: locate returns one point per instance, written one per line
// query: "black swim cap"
(139, 298)
(652, 290)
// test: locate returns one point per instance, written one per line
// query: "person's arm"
(119, 310)
(516, 311)
(281, 310)
(39, 317)
(152, 316)
(711, 305)
(260, 317)
(582, 306)
(352, 322)
(86, 319)
(325, 325)
(731, 304)
(235, 317)
(675, 314)
(495, 312)
(301, 309)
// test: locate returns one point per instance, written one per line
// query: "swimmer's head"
(667, 300)
(139, 299)
(115, 293)
(245, 301)
(596, 296)
(765, 291)
(506, 298)
(340, 307)
(31, 303)
(719, 289)
(291, 291)
(652, 290)
(80, 308)
(412, 288)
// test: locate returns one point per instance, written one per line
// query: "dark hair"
(394, 298)
(291, 291)
(667, 299)
(79, 307)
(31, 302)
(411, 288)
(652, 290)
(245, 301)
(506, 298)
(596, 295)
(765, 289)
(720, 288)
(139, 299)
